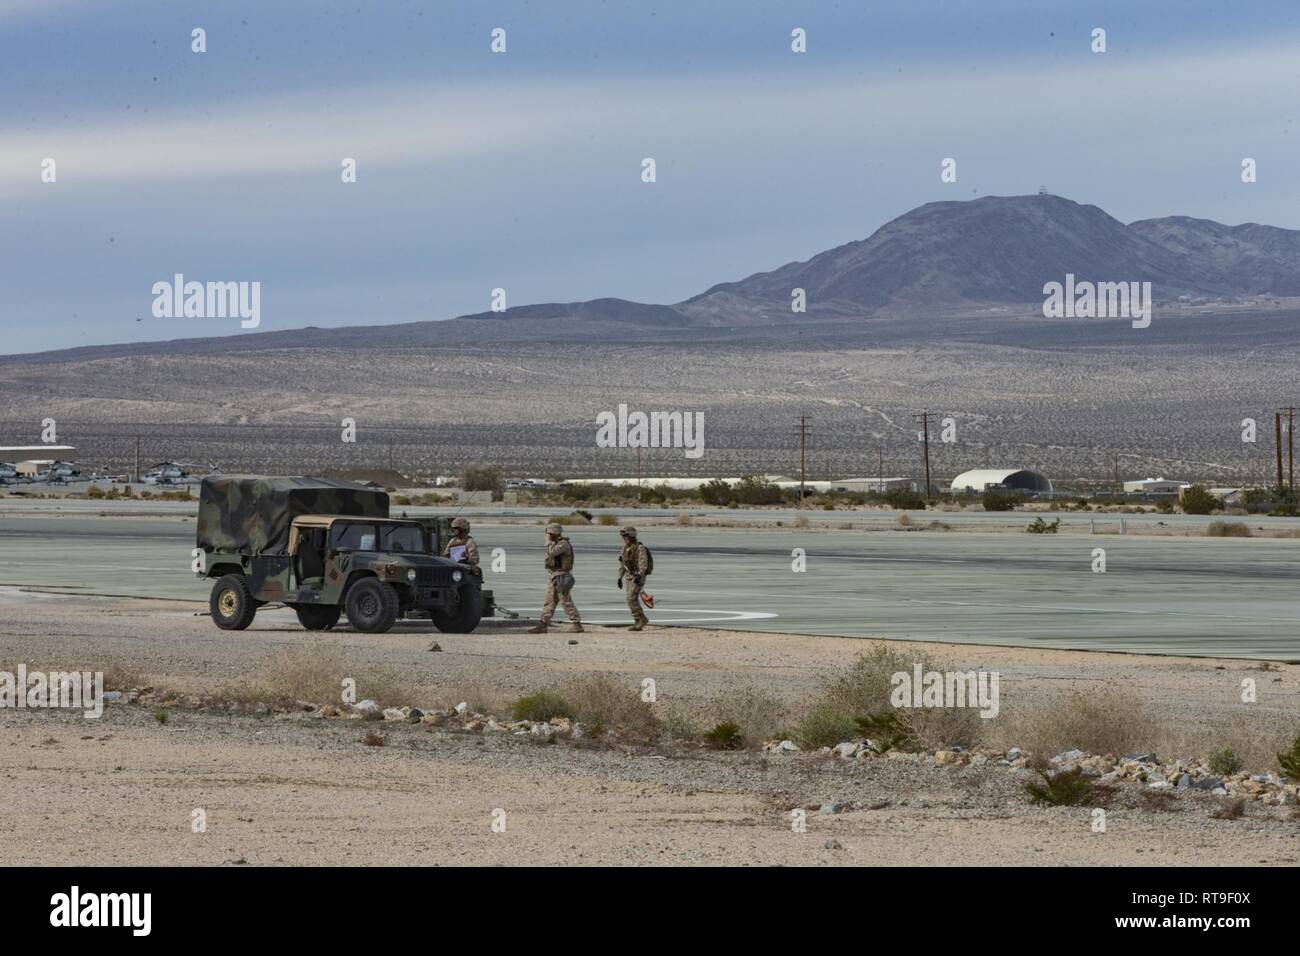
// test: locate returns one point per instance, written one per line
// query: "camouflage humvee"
(322, 547)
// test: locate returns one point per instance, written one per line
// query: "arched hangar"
(1018, 479)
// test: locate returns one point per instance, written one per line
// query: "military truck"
(323, 547)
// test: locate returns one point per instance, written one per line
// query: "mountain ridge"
(945, 257)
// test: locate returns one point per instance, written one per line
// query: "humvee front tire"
(469, 611)
(318, 617)
(372, 605)
(231, 606)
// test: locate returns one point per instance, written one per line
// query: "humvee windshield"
(370, 536)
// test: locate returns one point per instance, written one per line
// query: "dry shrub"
(1227, 529)
(905, 520)
(1159, 801)
(1109, 720)
(1229, 808)
(372, 739)
(756, 713)
(801, 521)
(123, 678)
(601, 703)
(683, 518)
(315, 672)
(481, 698)
(1254, 740)
(864, 689)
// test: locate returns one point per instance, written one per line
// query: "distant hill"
(943, 258)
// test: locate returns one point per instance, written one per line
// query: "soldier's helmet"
(554, 528)
(628, 532)
(460, 524)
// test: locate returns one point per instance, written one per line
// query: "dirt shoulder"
(293, 788)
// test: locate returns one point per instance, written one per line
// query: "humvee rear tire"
(231, 606)
(469, 611)
(372, 605)
(318, 617)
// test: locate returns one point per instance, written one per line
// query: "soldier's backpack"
(649, 561)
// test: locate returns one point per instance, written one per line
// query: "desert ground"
(289, 786)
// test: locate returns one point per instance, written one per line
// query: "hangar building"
(1017, 479)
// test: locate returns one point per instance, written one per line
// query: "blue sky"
(522, 170)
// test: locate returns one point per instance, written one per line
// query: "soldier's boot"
(537, 629)
(637, 626)
(575, 628)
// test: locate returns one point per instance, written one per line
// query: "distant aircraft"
(9, 471)
(174, 473)
(57, 472)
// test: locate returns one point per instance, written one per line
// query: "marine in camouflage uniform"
(460, 538)
(633, 564)
(559, 564)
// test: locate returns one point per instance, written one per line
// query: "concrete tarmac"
(1221, 597)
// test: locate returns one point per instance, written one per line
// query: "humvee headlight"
(410, 574)
(456, 576)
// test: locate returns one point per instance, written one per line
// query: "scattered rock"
(846, 750)
(365, 708)
(435, 646)
(394, 713)
(1070, 756)
(112, 695)
(462, 708)
(832, 845)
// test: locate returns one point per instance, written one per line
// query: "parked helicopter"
(175, 473)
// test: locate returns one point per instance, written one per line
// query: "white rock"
(365, 707)
(787, 746)
(462, 708)
(846, 751)
(1069, 756)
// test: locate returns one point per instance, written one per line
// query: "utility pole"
(1277, 443)
(137, 458)
(1115, 475)
(638, 466)
(803, 444)
(390, 454)
(925, 437)
(1290, 449)
(880, 448)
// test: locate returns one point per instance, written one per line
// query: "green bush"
(1197, 501)
(725, 736)
(1040, 526)
(482, 478)
(1066, 789)
(996, 499)
(543, 705)
(1224, 762)
(715, 492)
(904, 499)
(1290, 761)
(888, 729)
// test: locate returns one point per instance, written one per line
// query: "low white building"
(876, 484)
(1155, 486)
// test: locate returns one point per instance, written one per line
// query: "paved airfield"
(1175, 595)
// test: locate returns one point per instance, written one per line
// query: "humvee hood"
(252, 514)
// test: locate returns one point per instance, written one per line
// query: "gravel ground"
(294, 789)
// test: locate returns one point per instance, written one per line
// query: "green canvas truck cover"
(251, 515)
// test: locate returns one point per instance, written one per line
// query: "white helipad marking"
(666, 616)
